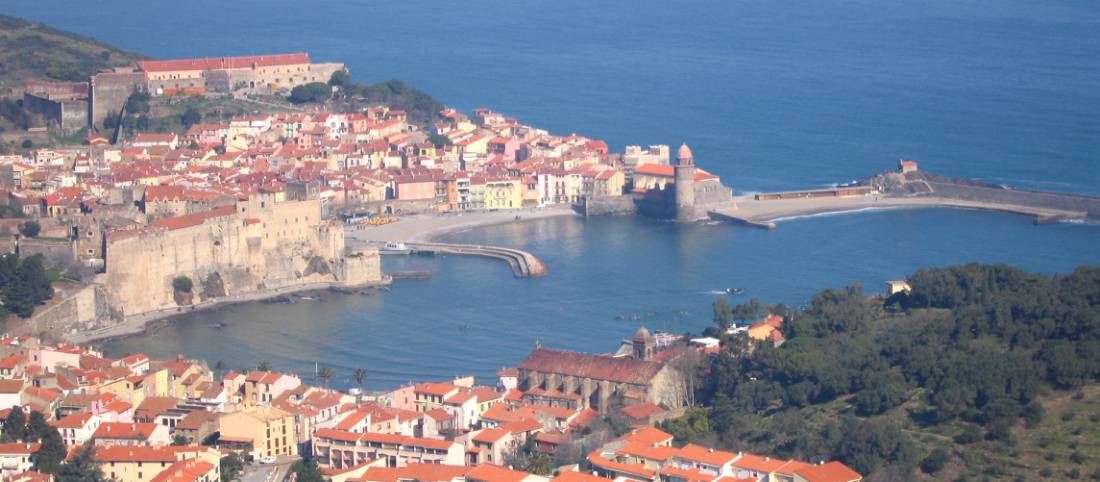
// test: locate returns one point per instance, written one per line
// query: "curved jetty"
(912, 190)
(524, 264)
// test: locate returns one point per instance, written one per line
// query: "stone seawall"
(607, 205)
(1038, 199)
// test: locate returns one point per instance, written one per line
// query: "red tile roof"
(829, 472)
(188, 470)
(195, 219)
(244, 62)
(584, 365)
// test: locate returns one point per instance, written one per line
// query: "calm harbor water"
(473, 317)
(770, 96)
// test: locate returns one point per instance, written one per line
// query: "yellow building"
(503, 194)
(269, 431)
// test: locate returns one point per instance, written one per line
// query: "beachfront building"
(341, 449)
(261, 431)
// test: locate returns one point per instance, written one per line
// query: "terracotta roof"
(244, 62)
(493, 473)
(757, 463)
(188, 470)
(698, 453)
(829, 472)
(642, 410)
(194, 219)
(73, 420)
(491, 435)
(630, 469)
(129, 431)
(689, 475)
(417, 472)
(11, 385)
(584, 365)
(196, 419)
(649, 436)
(19, 448)
(141, 453)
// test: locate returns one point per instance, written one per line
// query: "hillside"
(980, 373)
(32, 50)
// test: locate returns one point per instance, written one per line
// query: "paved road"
(276, 472)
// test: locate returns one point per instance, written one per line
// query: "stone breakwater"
(915, 190)
(523, 264)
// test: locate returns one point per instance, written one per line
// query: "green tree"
(190, 117)
(935, 461)
(311, 92)
(264, 366)
(723, 313)
(52, 454)
(340, 78)
(81, 468)
(179, 440)
(231, 467)
(307, 471)
(37, 427)
(15, 426)
(29, 287)
(138, 102)
(439, 140)
(325, 375)
(219, 367)
(359, 376)
(30, 229)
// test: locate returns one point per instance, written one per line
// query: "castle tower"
(645, 346)
(685, 185)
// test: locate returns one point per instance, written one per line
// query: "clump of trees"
(35, 429)
(420, 107)
(311, 92)
(972, 345)
(23, 284)
(30, 229)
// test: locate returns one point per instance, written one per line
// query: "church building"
(599, 381)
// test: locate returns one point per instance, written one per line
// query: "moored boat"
(394, 247)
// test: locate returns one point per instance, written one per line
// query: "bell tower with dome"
(685, 184)
(645, 345)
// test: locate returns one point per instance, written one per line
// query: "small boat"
(735, 291)
(394, 247)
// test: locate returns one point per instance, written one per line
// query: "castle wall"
(262, 246)
(109, 92)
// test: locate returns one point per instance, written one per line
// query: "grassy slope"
(32, 50)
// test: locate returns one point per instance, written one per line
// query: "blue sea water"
(770, 95)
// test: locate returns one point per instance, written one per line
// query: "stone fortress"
(73, 105)
(261, 244)
(247, 248)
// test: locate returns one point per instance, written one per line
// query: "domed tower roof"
(684, 153)
(642, 334)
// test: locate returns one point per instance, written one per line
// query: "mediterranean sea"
(770, 95)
